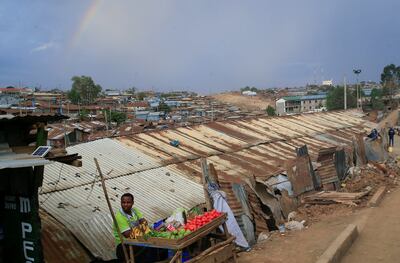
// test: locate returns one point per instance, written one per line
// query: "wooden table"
(217, 253)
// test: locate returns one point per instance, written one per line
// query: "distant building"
(154, 102)
(111, 93)
(7, 100)
(327, 82)
(16, 91)
(297, 104)
(136, 106)
(141, 115)
(280, 107)
(249, 93)
(155, 116)
(367, 92)
(172, 103)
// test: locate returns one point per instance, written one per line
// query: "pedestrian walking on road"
(391, 136)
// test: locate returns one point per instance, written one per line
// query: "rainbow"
(87, 17)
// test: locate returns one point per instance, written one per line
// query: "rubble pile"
(372, 176)
(360, 180)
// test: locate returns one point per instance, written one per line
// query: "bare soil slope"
(251, 103)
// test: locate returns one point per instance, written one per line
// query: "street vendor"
(127, 218)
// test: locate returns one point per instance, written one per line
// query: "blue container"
(185, 254)
(157, 224)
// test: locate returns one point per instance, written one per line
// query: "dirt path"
(303, 246)
(379, 241)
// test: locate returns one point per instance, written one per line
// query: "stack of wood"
(61, 155)
(57, 152)
(332, 197)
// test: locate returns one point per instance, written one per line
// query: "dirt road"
(303, 246)
(379, 241)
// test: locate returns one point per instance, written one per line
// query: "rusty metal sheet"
(300, 175)
(257, 212)
(327, 171)
(59, 244)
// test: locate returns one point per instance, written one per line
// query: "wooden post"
(131, 254)
(176, 257)
(213, 173)
(112, 213)
(225, 230)
(205, 187)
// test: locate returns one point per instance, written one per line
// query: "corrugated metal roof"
(84, 210)
(115, 158)
(258, 145)
(33, 117)
(305, 97)
(59, 245)
(13, 160)
(239, 149)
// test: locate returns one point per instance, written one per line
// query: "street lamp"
(359, 101)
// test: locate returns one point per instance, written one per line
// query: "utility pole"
(359, 103)
(345, 93)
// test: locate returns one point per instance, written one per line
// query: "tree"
(390, 79)
(376, 99)
(270, 111)
(249, 88)
(83, 89)
(84, 114)
(118, 117)
(164, 107)
(115, 116)
(335, 99)
(74, 96)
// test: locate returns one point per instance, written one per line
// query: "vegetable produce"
(192, 225)
(201, 220)
(176, 234)
(140, 230)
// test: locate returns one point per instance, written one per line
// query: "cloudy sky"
(200, 45)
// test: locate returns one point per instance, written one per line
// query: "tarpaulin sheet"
(221, 205)
(374, 151)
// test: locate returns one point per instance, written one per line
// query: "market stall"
(205, 226)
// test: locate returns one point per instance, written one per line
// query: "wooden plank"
(203, 255)
(131, 254)
(205, 185)
(223, 254)
(329, 197)
(213, 173)
(176, 257)
(226, 232)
